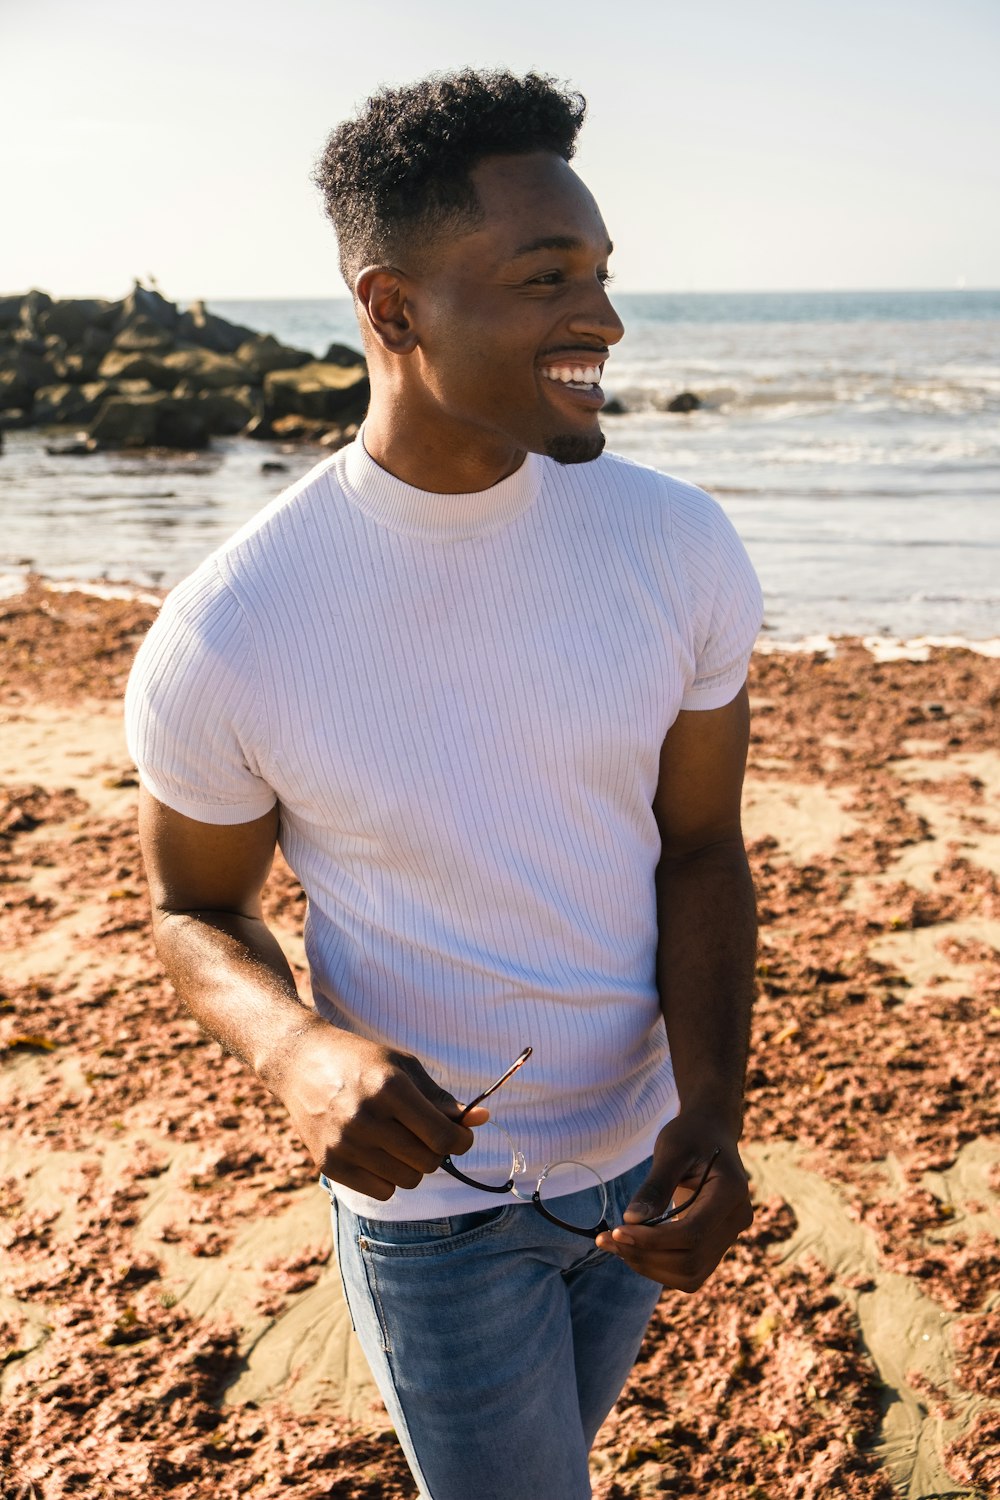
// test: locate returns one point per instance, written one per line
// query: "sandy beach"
(171, 1322)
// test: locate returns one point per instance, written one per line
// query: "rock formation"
(140, 373)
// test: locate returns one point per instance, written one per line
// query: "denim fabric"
(499, 1342)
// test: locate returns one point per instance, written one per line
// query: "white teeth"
(575, 375)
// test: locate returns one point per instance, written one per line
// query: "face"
(513, 320)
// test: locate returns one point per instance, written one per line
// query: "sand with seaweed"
(171, 1320)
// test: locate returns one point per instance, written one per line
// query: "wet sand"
(170, 1315)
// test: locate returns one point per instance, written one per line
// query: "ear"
(381, 294)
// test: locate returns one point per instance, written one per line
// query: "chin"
(575, 447)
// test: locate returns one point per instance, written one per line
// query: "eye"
(547, 278)
(605, 277)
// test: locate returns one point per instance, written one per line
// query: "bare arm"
(370, 1116)
(705, 971)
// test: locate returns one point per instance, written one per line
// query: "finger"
(360, 1181)
(683, 1266)
(384, 1164)
(430, 1113)
(373, 1131)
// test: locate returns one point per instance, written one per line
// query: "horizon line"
(763, 291)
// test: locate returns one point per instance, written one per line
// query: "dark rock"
(264, 354)
(10, 310)
(122, 364)
(66, 405)
(79, 366)
(27, 342)
(13, 390)
(339, 437)
(686, 401)
(32, 304)
(204, 370)
(23, 376)
(297, 429)
(130, 388)
(13, 417)
(318, 391)
(273, 466)
(614, 408)
(209, 331)
(110, 320)
(96, 340)
(126, 422)
(154, 420)
(181, 424)
(142, 335)
(340, 354)
(71, 318)
(259, 428)
(227, 412)
(143, 302)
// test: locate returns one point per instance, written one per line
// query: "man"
(487, 689)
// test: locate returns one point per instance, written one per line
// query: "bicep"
(196, 866)
(702, 762)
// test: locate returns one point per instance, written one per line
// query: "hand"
(371, 1117)
(683, 1252)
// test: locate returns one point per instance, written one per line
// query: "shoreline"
(882, 648)
(161, 1230)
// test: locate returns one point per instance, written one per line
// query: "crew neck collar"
(424, 513)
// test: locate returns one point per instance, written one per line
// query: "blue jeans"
(499, 1342)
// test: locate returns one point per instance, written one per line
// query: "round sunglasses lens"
(574, 1194)
(490, 1162)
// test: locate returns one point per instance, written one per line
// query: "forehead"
(536, 197)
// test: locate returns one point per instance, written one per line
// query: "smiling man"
(486, 687)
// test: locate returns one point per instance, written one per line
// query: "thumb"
(653, 1196)
(671, 1162)
(440, 1097)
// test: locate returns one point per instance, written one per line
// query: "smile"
(581, 377)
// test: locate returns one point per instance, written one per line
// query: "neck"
(437, 455)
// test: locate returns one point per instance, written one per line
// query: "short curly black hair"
(399, 172)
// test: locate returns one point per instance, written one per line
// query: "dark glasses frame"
(536, 1198)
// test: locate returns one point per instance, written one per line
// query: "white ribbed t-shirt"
(458, 702)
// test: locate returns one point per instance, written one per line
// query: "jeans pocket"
(421, 1237)
(410, 1262)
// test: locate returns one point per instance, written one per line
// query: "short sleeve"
(724, 597)
(194, 716)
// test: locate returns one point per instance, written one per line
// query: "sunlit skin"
(460, 338)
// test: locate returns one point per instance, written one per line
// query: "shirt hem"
(440, 1195)
(218, 815)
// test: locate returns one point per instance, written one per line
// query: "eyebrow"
(553, 242)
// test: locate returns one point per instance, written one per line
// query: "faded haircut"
(398, 175)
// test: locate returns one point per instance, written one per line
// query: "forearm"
(706, 957)
(231, 974)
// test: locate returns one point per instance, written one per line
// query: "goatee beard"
(573, 448)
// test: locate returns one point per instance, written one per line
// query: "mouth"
(578, 378)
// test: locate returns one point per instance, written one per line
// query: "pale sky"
(732, 144)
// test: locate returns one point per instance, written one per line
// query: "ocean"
(853, 438)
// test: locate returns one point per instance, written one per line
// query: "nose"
(596, 316)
